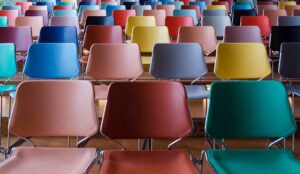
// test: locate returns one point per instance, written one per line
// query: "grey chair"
(180, 61)
(240, 34)
(218, 22)
(214, 13)
(289, 21)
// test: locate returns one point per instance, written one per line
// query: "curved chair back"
(177, 4)
(214, 13)
(63, 7)
(13, 35)
(160, 16)
(193, 7)
(273, 15)
(162, 118)
(35, 22)
(218, 22)
(174, 23)
(225, 3)
(99, 20)
(67, 4)
(283, 4)
(237, 14)
(289, 21)
(11, 16)
(8, 66)
(42, 13)
(280, 34)
(290, 9)
(242, 34)
(240, 7)
(24, 6)
(153, 4)
(242, 61)
(121, 16)
(201, 4)
(35, 7)
(49, 5)
(87, 13)
(87, 7)
(261, 8)
(216, 7)
(187, 12)
(52, 61)
(289, 66)
(40, 116)
(114, 61)
(133, 21)
(105, 4)
(256, 110)
(168, 8)
(140, 8)
(261, 21)
(3, 21)
(13, 7)
(173, 61)
(129, 4)
(64, 21)
(65, 13)
(111, 8)
(58, 34)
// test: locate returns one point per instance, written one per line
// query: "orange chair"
(273, 15)
(24, 6)
(175, 22)
(160, 16)
(35, 22)
(121, 16)
(87, 13)
(11, 16)
(193, 7)
(113, 62)
(168, 8)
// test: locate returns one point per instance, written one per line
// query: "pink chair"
(273, 15)
(65, 21)
(160, 16)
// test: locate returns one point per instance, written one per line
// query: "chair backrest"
(168, 8)
(242, 34)
(242, 61)
(256, 110)
(173, 61)
(63, 7)
(20, 36)
(3, 21)
(216, 7)
(201, 4)
(52, 61)
(240, 7)
(282, 4)
(24, 6)
(74, 2)
(218, 22)
(140, 8)
(58, 34)
(114, 61)
(261, 8)
(121, 16)
(11, 16)
(204, 35)
(265, 3)
(187, 12)
(35, 22)
(87, 13)
(99, 20)
(296, 13)
(49, 5)
(67, 4)
(35, 7)
(111, 8)
(214, 13)
(193, 7)
(87, 7)
(174, 23)
(289, 66)
(72, 115)
(261, 21)
(42, 13)
(147, 37)
(133, 21)
(13, 7)
(177, 4)
(280, 34)
(105, 4)
(65, 21)
(65, 13)
(162, 117)
(102, 34)
(289, 21)
(153, 4)
(237, 14)
(273, 15)
(8, 66)
(290, 9)
(129, 4)
(160, 16)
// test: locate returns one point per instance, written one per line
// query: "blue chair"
(288, 20)
(52, 61)
(105, 4)
(86, 7)
(58, 34)
(99, 20)
(142, 2)
(165, 2)
(201, 4)
(214, 13)
(240, 7)
(187, 12)
(67, 13)
(177, 4)
(153, 4)
(111, 8)
(50, 6)
(13, 7)
(86, 3)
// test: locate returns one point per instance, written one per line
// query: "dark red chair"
(121, 16)
(63, 7)
(42, 13)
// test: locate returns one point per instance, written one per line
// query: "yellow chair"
(282, 4)
(147, 37)
(75, 2)
(216, 7)
(242, 61)
(133, 21)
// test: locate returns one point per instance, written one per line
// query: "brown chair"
(87, 13)
(35, 22)
(160, 16)
(63, 7)
(113, 62)
(65, 21)
(273, 15)
(261, 8)
(290, 9)
(204, 35)
(155, 110)
(56, 109)
(168, 8)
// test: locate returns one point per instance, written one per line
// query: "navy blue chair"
(99, 20)
(129, 4)
(288, 20)
(58, 34)
(237, 14)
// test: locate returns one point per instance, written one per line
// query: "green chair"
(247, 110)
(3, 21)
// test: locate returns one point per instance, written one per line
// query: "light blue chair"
(66, 13)
(105, 4)
(86, 7)
(140, 8)
(111, 8)
(201, 4)
(214, 13)
(177, 4)
(187, 12)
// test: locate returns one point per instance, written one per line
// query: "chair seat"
(29, 160)
(210, 59)
(101, 92)
(196, 92)
(293, 89)
(7, 88)
(258, 161)
(147, 162)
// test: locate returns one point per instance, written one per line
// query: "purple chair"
(42, 13)
(238, 34)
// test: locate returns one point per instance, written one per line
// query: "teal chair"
(187, 12)
(105, 4)
(67, 13)
(66, 4)
(3, 21)
(247, 110)
(87, 7)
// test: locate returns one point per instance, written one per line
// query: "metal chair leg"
(9, 112)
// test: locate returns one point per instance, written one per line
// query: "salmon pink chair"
(62, 7)
(65, 21)
(160, 16)
(168, 8)
(273, 15)
(175, 22)
(11, 16)
(121, 16)
(35, 22)
(35, 7)
(24, 6)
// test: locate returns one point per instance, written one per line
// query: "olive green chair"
(247, 110)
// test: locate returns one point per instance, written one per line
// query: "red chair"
(186, 2)
(121, 16)
(11, 16)
(145, 110)
(63, 7)
(175, 22)
(193, 7)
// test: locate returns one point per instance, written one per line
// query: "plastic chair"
(177, 4)
(193, 7)
(273, 15)
(129, 4)
(86, 3)
(242, 34)
(201, 4)
(3, 21)
(114, 62)
(218, 22)
(77, 110)
(283, 4)
(261, 21)
(42, 13)
(35, 22)
(225, 3)
(281, 34)
(256, 114)
(296, 13)
(290, 9)
(261, 8)
(174, 23)
(133, 21)
(147, 37)
(153, 4)
(230, 2)
(71, 2)
(50, 6)
(64, 21)
(86, 7)
(172, 123)
(265, 3)
(13, 7)
(58, 34)
(11, 16)
(105, 4)
(289, 21)
(35, 7)
(111, 8)
(121, 16)
(52, 61)
(70, 13)
(99, 20)
(63, 7)
(237, 14)
(168, 8)
(187, 12)
(160, 16)
(24, 6)
(173, 61)
(87, 13)
(216, 7)
(140, 8)
(214, 13)
(67, 4)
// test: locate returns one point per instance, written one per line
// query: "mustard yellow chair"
(242, 61)
(147, 37)
(133, 21)
(75, 2)
(216, 7)
(282, 4)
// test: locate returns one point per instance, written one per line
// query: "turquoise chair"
(187, 12)
(86, 7)
(164, 2)
(177, 4)
(105, 4)
(201, 4)
(66, 13)
(3, 21)
(248, 110)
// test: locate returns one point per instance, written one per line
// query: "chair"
(241, 7)
(225, 3)
(187, 12)
(42, 13)
(129, 4)
(3, 21)
(214, 13)
(261, 8)
(121, 16)
(50, 6)
(262, 115)
(242, 61)
(87, 13)
(201, 4)
(99, 20)
(13, 7)
(105, 4)
(296, 13)
(242, 34)
(71, 2)
(133, 21)
(52, 61)
(147, 37)
(86, 7)
(290, 9)
(289, 21)
(218, 22)
(67, 13)
(24, 6)
(177, 4)
(111, 8)
(173, 123)
(113, 61)
(140, 8)
(67, 4)
(173, 61)
(174, 23)
(216, 7)
(204, 35)
(64, 21)
(273, 15)
(160, 16)
(283, 4)
(153, 4)
(11, 16)
(35, 22)
(168, 8)
(78, 113)
(193, 7)
(35, 7)
(265, 2)
(63, 7)
(237, 14)
(58, 34)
